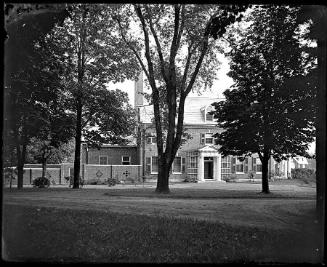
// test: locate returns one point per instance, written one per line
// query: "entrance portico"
(209, 162)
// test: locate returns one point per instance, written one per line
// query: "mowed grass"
(62, 235)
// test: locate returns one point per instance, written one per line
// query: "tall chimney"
(138, 91)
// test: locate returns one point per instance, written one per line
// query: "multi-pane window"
(225, 167)
(192, 165)
(209, 117)
(103, 160)
(207, 139)
(154, 165)
(126, 160)
(177, 165)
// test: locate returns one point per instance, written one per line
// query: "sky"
(223, 82)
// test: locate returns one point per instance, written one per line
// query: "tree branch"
(159, 49)
(132, 48)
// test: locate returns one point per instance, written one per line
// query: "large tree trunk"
(78, 137)
(265, 175)
(321, 131)
(21, 152)
(163, 176)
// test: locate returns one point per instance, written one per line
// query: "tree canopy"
(271, 108)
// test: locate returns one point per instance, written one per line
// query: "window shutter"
(183, 165)
(233, 164)
(246, 165)
(148, 165)
(202, 138)
(254, 164)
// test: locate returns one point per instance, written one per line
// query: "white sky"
(222, 83)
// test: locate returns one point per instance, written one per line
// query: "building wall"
(114, 155)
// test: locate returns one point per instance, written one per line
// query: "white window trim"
(152, 172)
(205, 139)
(103, 157)
(181, 166)
(129, 159)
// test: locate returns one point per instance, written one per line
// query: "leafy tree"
(25, 24)
(91, 55)
(180, 56)
(271, 109)
(56, 130)
(318, 15)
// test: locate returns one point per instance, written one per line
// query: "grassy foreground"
(62, 235)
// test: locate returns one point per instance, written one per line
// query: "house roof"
(194, 114)
(301, 160)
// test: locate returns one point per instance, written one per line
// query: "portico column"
(200, 168)
(219, 167)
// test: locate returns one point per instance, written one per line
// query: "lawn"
(193, 224)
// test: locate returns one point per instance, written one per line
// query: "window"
(151, 140)
(225, 167)
(209, 117)
(207, 138)
(192, 165)
(177, 165)
(258, 165)
(239, 166)
(126, 160)
(154, 165)
(103, 160)
(148, 165)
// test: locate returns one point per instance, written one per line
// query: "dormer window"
(209, 117)
(206, 112)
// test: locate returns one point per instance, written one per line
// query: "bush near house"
(304, 174)
(231, 179)
(41, 182)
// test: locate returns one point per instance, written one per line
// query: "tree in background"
(180, 55)
(271, 110)
(91, 55)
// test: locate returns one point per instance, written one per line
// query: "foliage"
(271, 107)
(304, 174)
(112, 181)
(41, 182)
(91, 55)
(180, 56)
(26, 90)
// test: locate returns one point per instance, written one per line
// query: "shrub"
(191, 179)
(304, 174)
(112, 182)
(231, 179)
(41, 182)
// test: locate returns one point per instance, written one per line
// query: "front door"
(208, 168)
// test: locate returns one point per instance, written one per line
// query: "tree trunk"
(78, 137)
(20, 164)
(163, 176)
(265, 176)
(321, 132)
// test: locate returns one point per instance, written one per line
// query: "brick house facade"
(198, 158)
(110, 155)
